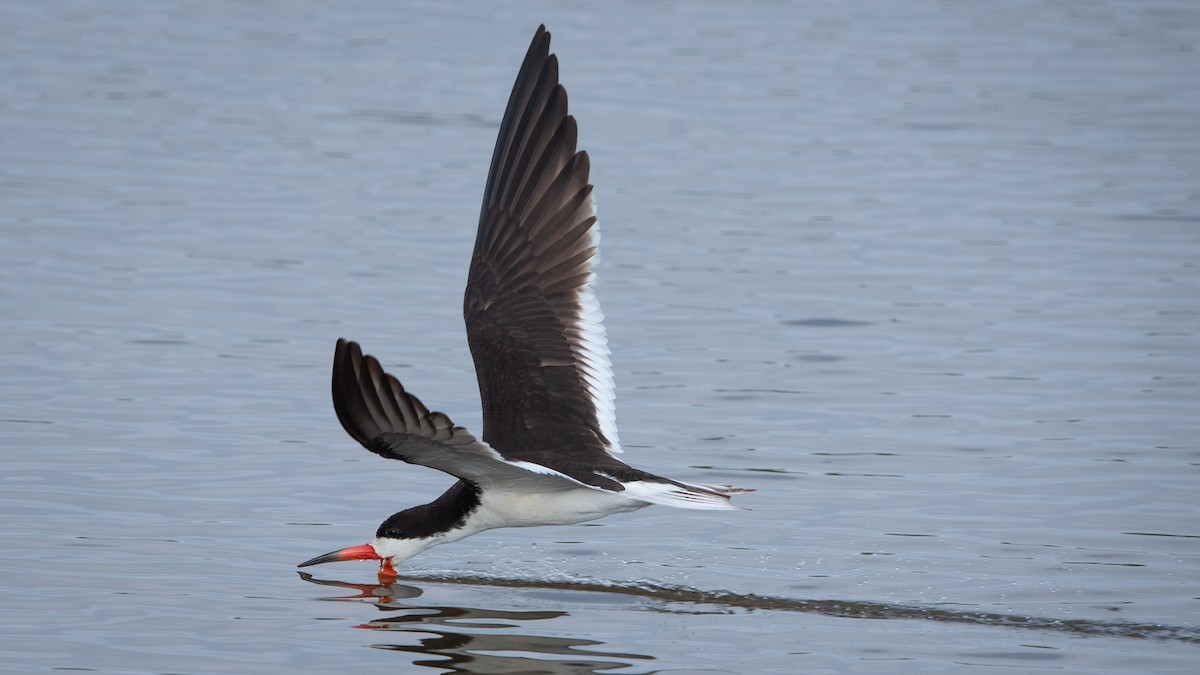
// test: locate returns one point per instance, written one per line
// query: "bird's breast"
(499, 508)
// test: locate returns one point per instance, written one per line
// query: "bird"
(548, 453)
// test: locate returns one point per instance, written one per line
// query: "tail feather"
(685, 495)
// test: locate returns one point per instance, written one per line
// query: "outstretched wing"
(376, 411)
(533, 322)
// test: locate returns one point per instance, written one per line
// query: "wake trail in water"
(851, 609)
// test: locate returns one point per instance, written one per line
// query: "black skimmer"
(549, 446)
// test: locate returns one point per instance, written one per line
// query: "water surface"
(924, 276)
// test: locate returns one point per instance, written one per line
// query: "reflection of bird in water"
(549, 446)
(466, 637)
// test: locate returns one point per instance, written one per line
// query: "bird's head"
(389, 551)
(413, 530)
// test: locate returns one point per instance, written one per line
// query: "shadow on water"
(454, 638)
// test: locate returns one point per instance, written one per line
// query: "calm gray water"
(922, 274)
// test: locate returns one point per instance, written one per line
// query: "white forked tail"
(684, 495)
